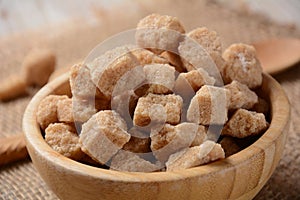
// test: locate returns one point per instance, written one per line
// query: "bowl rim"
(280, 111)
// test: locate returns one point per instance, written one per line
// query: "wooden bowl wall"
(239, 176)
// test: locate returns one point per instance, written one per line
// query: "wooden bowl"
(239, 176)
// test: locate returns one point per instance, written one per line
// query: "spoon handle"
(12, 149)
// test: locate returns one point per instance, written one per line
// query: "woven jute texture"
(72, 42)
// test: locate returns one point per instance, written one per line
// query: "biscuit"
(163, 108)
(158, 33)
(130, 162)
(64, 139)
(244, 123)
(208, 106)
(47, 110)
(240, 96)
(194, 156)
(242, 65)
(103, 135)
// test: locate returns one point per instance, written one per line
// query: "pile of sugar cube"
(149, 107)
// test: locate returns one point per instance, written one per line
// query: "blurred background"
(72, 28)
(18, 16)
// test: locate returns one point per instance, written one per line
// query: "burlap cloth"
(73, 41)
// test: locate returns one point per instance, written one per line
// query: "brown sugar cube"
(160, 77)
(240, 96)
(103, 135)
(191, 157)
(195, 79)
(159, 32)
(219, 62)
(124, 104)
(208, 106)
(151, 106)
(83, 110)
(174, 60)
(12, 87)
(139, 142)
(47, 110)
(129, 82)
(242, 65)
(107, 69)
(130, 162)
(245, 123)
(230, 146)
(171, 139)
(208, 39)
(146, 57)
(89, 161)
(211, 42)
(65, 110)
(201, 48)
(261, 106)
(37, 66)
(200, 136)
(64, 139)
(138, 145)
(81, 84)
(152, 78)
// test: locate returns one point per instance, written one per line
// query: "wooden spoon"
(277, 54)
